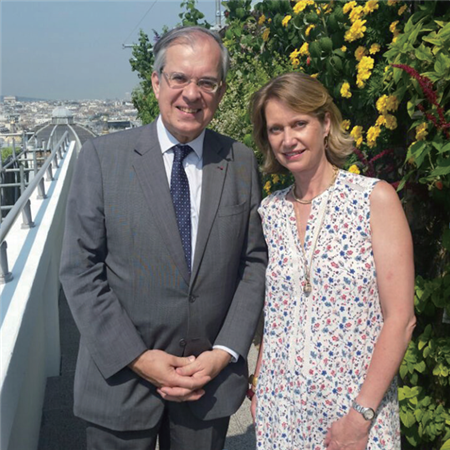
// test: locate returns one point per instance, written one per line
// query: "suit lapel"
(149, 167)
(215, 166)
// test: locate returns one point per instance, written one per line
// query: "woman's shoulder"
(357, 183)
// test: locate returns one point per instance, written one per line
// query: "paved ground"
(60, 430)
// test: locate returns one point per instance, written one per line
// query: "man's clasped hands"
(180, 379)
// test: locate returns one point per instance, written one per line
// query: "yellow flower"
(364, 68)
(371, 6)
(294, 54)
(295, 62)
(301, 5)
(374, 48)
(402, 10)
(388, 120)
(380, 121)
(387, 103)
(261, 20)
(267, 187)
(372, 135)
(356, 14)
(308, 30)
(354, 169)
(392, 26)
(360, 52)
(392, 103)
(345, 90)
(275, 179)
(286, 20)
(392, 2)
(304, 49)
(356, 31)
(344, 48)
(391, 122)
(382, 104)
(356, 134)
(265, 34)
(421, 132)
(345, 124)
(314, 75)
(269, 20)
(348, 7)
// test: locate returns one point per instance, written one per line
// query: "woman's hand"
(253, 408)
(349, 433)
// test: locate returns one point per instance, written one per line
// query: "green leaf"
(444, 33)
(420, 367)
(424, 53)
(433, 76)
(434, 41)
(441, 64)
(443, 169)
(315, 50)
(418, 151)
(446, 445)
(401, 394)
(418, 413)
(403, 372)
(326, 44)
(437, 370)
(407, 419)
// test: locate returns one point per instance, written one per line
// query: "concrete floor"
(60, 430)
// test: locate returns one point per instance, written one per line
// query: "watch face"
(368, 414)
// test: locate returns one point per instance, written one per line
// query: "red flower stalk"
(427, 87)
(360, 155)
(425, 83)
(381, 154)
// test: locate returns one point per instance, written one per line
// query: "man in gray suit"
(163, 264)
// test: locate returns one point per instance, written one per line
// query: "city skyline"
(67, 50)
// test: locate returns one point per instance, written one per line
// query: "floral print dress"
(318, 347)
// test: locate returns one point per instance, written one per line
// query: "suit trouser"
(179, 429)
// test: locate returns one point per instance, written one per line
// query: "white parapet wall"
(29, 326)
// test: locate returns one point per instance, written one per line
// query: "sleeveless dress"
(318, 347)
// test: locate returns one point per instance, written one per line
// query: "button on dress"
(318, 347)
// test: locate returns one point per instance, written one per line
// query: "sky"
(72, 50)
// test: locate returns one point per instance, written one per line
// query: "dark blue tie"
(179, 188)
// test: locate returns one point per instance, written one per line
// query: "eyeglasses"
(179, 81)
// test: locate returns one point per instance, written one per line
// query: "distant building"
(62, 116)
(116, 125)
(10, 99)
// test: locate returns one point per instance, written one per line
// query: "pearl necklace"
(308, 202)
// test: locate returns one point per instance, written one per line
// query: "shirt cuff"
(234, 355)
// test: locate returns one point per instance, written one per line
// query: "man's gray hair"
(188, 36)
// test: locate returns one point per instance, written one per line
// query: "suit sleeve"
(105, 327)
(242, 319)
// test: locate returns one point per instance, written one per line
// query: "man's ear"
(156, 84)
(222, 90)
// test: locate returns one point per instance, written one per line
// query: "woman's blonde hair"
(305, 95)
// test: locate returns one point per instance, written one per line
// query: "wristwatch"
(366, 412)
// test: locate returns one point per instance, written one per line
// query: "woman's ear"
(326, 124)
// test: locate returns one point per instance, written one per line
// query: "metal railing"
(23, 204)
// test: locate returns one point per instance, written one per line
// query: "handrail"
(23, 204)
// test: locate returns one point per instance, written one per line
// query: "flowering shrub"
(387, 65)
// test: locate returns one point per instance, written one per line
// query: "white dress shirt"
(193, 164)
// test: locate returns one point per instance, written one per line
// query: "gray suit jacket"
(126, 280)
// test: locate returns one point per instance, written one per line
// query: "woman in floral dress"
(339, 285)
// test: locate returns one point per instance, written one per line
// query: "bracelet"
(253, 380)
